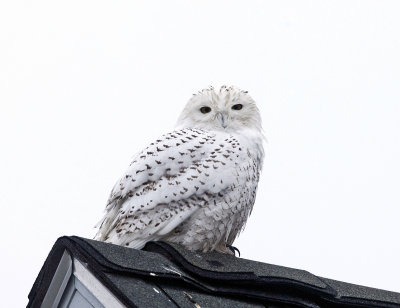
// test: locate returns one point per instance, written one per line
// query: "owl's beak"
(222, 117)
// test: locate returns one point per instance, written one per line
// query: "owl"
(196, 185)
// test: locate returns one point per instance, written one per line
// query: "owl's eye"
(237, 107)
(205, 109)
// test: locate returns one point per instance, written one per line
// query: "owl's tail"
(106, 224)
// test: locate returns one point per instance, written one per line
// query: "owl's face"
(226, 109)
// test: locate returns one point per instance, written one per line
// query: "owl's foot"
(233, 249)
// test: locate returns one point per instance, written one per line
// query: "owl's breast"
(223, 214)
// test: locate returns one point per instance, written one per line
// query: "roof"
(167, 275)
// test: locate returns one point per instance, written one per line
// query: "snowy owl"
(196, 185)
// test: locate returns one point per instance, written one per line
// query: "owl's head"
(226, 108)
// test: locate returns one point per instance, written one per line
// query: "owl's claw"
(233, 249)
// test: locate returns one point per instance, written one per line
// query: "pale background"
(86, 84)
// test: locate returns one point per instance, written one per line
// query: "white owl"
(195, 186)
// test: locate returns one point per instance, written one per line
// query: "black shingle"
(352, 292)
(210, 263)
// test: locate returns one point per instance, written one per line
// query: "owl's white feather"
(195, 186)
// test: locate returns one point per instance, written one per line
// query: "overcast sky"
(86, 84)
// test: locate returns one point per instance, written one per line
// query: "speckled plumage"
(195, 186)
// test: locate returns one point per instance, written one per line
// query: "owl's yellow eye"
(205, 109)
(237, 107)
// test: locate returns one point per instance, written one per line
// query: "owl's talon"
(233, 249)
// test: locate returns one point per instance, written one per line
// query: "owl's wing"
(167, 183)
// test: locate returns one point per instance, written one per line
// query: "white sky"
(86, 84)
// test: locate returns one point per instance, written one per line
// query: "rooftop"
(167, 275)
